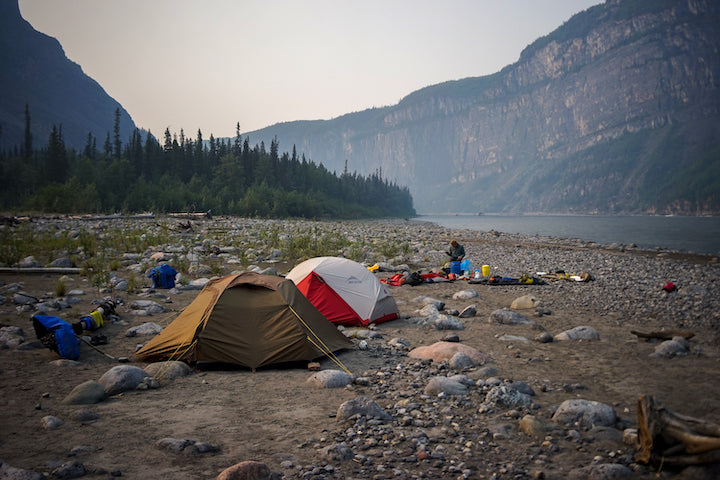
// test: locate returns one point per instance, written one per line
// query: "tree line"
(224, 176)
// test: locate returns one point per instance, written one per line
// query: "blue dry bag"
(163, 276)
(57, 335)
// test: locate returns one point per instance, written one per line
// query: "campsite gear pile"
(63, 338)
(344, 291)
(247, 319)
(97, 317)
(562, 275)
(524, 279)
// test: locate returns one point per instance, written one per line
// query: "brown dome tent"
(246, 319)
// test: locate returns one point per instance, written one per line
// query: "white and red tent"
(344, 291)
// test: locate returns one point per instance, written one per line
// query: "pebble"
(185, 446)
(51, 423)
(468, 312)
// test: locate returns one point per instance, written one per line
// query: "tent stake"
(95, 348)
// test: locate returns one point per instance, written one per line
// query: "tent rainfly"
(344, 291)
(246, 319)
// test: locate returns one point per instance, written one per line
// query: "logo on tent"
(353, 279)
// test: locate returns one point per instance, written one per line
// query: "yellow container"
(486, 270)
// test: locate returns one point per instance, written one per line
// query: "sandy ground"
(273, 415)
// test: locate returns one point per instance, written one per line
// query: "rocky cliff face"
(618, 110)
(35, 71)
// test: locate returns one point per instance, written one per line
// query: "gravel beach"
(451, 418)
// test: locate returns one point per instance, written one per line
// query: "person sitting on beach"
(456, 252)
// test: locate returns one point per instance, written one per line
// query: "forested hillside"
(184, 174)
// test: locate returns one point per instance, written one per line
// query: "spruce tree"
(107, 146)
(56, 160)
(116, 132)
(238, 141)
(27, 144)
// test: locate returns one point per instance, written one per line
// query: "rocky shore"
(549, 388)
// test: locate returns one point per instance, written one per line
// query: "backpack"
(414, 279)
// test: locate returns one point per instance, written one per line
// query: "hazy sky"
(209, 64)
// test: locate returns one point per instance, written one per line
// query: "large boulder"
(330, 379)
(11, 473)
(601, 471)
(444, 351)
(147, 328)
(361, 406)
(508, 397)
(248, 470)
(448, 386)
(578, 333)
(585, 413)
(504, 316)
(166, 371)
(525, 302)
(86, 393)
(11, 337)
(122, 378)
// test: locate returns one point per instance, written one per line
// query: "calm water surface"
(689, 234)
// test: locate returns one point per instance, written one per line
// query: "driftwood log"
(58, 270)
(664, 334)
(191, 215)
(672, 439)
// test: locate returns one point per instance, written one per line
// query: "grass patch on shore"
(99, 248)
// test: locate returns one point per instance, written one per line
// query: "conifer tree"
(238, 141)
(168, 140)
(27, 147)
(56, 157)
(89, 150)
(116, 132)
(107, 146)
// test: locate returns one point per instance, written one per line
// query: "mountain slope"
(35, 71)
(618, 110)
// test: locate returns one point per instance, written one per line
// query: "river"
(686, 234)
